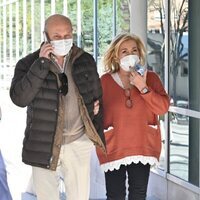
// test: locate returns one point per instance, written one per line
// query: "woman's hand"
(137, 80)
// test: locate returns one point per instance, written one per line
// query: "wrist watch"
(144, 90)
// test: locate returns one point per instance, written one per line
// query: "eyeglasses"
(128, 102)
(64, 84)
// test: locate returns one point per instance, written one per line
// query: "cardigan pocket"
(110, 140)
(110, 146)
(153, 141)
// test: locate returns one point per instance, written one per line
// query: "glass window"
(122, 16)
(155, 37)
(184, 121)
(112, 24)
(179, 145)
(87, 25)
(178, 71)
(155, 56)
(179, 89)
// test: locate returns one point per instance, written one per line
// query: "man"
(60, 86)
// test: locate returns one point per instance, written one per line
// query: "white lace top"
(129, 159)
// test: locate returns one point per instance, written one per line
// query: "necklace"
(127, 91)
(124, 81)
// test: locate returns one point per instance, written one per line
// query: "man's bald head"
(56, 19)
(58, 27)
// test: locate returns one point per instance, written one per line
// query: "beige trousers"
(74, 167)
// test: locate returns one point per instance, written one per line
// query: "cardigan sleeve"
(157, 100)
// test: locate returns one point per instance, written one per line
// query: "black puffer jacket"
(35, 85)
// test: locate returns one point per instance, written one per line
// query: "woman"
(133, 97)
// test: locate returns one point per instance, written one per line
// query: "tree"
(178, 26)
(158, 46)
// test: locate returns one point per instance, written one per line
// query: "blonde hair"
(110, 59)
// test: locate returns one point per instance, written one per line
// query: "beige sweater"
(73, 124)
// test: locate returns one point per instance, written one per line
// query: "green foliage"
(105, 27)
(104, 23)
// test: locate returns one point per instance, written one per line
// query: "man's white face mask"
(129, 61)
(62, 47)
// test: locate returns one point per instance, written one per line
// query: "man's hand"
(96, 107)
(46, 50)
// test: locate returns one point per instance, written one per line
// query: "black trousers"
(138, 176)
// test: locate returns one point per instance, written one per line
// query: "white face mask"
(62, 47)
(129, 61)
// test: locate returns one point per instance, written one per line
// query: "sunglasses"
(64, 84)
(128, 102)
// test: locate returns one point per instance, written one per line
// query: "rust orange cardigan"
(135, 130)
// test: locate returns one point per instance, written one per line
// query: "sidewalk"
(27, 196)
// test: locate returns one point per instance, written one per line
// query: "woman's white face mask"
(62, 47)
(129, 61)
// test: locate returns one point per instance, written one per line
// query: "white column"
(24, 27)
(10, 35)
(4, 35)
(79, 23)
(32, 25)
(53, 7)
(4, 43)
(65, 9)
(1, 37)
(138, 19)
(42, 20)
(17, 30)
